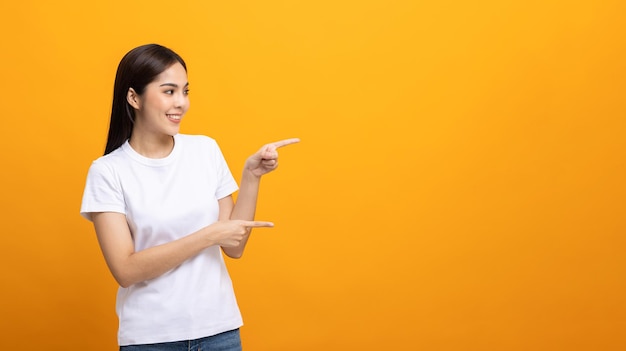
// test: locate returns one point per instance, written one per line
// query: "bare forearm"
(245, 208)
(130, 267)
(153, 262)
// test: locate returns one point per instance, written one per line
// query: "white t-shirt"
(163, 200)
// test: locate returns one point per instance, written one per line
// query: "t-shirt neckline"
(153, 161)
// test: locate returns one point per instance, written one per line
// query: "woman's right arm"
(129, 266)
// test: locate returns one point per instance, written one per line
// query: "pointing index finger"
(285, 142)
(255, 224)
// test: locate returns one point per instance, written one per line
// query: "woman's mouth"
(174, 118)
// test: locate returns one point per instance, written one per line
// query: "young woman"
(163, 212)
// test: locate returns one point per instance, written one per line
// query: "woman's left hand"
(266, 159)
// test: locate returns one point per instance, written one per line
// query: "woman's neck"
(152, 146)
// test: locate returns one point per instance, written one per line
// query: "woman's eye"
(186, 92)
(169, 92)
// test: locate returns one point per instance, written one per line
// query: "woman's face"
(163, 103)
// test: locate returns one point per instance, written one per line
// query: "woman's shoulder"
(196, 140)
(112, 162)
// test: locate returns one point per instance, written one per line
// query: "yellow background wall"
(460, 184)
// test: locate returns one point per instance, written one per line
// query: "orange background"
(460, 184)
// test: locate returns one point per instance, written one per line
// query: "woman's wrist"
(249, 175)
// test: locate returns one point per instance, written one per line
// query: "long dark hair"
(138, 68)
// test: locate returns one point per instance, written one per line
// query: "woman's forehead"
(175, 73)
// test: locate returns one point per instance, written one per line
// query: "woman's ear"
(133, 98)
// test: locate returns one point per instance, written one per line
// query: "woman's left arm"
(262, 162)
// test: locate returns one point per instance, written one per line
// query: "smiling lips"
(174, 118)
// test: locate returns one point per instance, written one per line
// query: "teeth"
(176, 117)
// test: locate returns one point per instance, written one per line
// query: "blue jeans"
(227, 341)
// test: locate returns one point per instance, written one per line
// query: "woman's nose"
(180, 100)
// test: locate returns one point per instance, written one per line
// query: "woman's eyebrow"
(172, 85)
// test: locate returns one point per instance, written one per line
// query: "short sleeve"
(226, 183)
(103, 192)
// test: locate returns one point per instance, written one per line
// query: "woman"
(162, 209)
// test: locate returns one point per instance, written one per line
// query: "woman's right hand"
(129, 266)
(230, 233)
